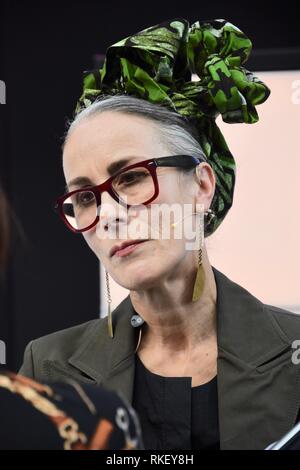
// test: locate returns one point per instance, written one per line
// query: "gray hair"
(175, 131)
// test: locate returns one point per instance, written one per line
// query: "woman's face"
(94, 145)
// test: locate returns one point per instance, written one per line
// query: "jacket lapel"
(258, 386)
(110, 361)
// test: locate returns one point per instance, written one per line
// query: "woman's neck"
(173, 321)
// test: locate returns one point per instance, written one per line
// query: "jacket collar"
(100, 356)
(253, 385)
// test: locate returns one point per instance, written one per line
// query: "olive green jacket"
(258, 383)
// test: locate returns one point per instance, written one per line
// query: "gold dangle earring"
(200, 277)
(109, 315)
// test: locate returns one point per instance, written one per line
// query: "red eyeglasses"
(133, 185)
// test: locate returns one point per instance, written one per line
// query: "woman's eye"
(85, 198)
(131, 177)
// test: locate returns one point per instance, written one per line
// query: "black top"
(173, 414)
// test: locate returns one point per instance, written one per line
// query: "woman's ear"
(206, 184)
(198, 173)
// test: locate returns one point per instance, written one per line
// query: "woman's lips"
(128, 249)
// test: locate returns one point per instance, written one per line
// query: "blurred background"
(53, 280)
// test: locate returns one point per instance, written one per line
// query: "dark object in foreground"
(64, 416)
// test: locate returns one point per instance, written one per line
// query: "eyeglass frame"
(151, 164)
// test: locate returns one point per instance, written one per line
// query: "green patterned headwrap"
(157, 64)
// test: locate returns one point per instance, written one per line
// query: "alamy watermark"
(296, 353)
(2, 92)
(296, 93)
(159, 221)
(2, 352)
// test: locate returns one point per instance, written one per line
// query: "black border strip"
(274, 59)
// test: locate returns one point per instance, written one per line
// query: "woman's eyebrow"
(116, 166)
(79, 181)
(111, 169)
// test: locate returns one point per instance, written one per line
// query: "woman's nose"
(110, 212)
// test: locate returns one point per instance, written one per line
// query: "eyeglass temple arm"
(183, 161)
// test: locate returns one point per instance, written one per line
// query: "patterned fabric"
(157, 63)
(64, 416)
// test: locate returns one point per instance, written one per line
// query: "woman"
(205, 364)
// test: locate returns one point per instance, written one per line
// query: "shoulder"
(288, 322)
(249, 327)
(63, 343)
(87, 344)
(58, 347)
(236, 298)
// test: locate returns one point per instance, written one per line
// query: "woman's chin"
(138, 279)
